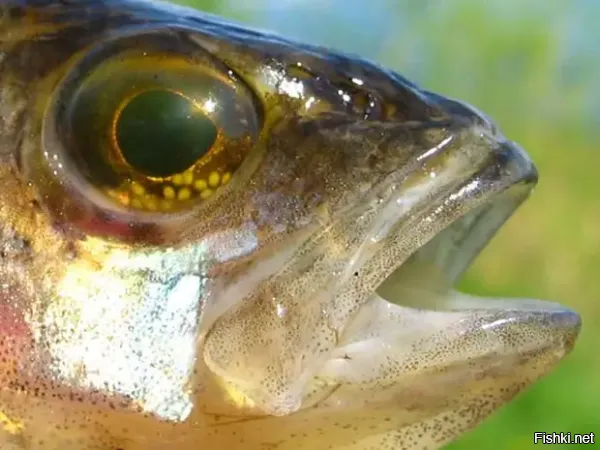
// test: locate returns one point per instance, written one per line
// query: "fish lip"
(562, 322)
(564, 319)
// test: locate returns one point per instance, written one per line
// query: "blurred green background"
(534, 67)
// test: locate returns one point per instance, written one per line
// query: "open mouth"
(429, 354)
(359, 338)
(386, 351)
(424, 281)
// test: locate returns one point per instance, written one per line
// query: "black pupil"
(161, 133)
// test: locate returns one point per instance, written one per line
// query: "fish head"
(213, 234)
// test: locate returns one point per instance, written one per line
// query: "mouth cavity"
(425, 279)
(424, 282)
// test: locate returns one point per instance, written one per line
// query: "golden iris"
(155, 131)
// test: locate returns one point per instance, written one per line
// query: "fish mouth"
(425, 280)
(432, 354)
(364, 314)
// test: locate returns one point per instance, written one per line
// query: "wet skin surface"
(287, 286)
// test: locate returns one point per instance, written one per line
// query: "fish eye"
(152, 123)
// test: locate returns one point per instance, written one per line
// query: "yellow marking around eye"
(200, 185)
(177, 179)
(226, 178)
(206, 193)
(214, 179)
(151, 204)
(137, 189)
(169, 192)
(188, 178)
(184, 194)
(121, 197)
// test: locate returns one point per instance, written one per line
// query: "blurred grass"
(533, 67)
